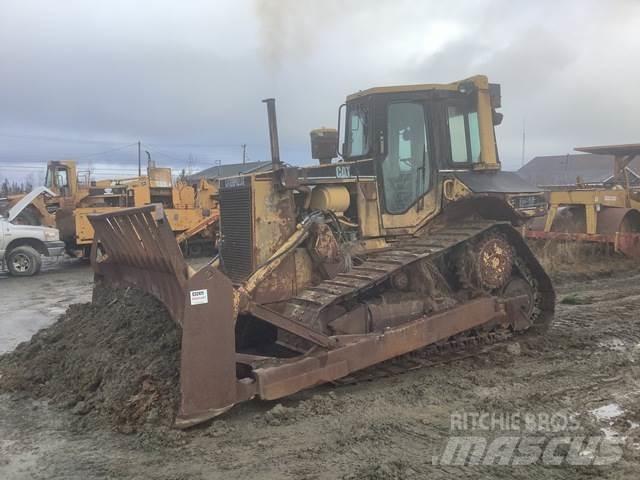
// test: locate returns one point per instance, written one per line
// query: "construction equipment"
(606, 213)
(192, 213)
(329, 269)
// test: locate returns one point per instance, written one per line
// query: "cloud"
(189, 78)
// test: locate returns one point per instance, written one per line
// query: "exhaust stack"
(273, 133)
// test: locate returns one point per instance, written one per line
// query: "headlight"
(51, 235)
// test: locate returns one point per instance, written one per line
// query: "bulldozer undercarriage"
(471, 283)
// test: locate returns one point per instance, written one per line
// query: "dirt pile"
(114, 361)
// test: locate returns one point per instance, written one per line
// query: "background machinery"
(191, 211)
(323, 271)
(607, 213)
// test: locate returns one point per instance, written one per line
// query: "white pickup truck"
(22, 246)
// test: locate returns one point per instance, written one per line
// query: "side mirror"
(495, 94)
(342, 143)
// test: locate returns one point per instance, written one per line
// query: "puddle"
(607, 412)
(614, 344)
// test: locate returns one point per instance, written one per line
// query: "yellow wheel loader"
(191, 211)
(406, 241)
(606, 213)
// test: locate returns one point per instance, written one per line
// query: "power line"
(74, 157)
(42, 167)
(107, 151)
(98, 170)
(55, 138)
(206, 145)
(164, 154)
(59, 139)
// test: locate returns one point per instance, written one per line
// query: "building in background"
(569, 169)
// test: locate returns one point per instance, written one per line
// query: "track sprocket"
(486, 264)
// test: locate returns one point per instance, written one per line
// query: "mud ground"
(29, 304)
(392, 428)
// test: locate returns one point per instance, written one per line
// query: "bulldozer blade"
(140, 250)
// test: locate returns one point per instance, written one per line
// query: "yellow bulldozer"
(607, 213)
(192, 213)
(405, 242)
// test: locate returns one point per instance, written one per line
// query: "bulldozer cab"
(413, 132)
(62, 178)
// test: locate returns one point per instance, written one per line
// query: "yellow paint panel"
(274, 218)
(84, 230)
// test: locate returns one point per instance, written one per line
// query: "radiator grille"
(236, 220)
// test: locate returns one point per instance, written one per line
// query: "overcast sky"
(186, 78)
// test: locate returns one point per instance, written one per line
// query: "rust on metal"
(273, 132)
(328, 365)
(140, 251)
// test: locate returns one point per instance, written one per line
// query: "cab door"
(406, 173)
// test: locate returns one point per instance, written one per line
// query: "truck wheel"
(24, 261)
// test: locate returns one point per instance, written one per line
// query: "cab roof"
(626, 149)
(480, 81)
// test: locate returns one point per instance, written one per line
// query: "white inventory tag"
(198, 297)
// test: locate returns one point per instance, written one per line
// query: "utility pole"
(244, 153)
(139, 161)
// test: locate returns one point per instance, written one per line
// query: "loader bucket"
(138, 249)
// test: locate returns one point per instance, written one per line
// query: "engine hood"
(27, 199)
(496, 182)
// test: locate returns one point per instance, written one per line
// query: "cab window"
(62, 179)
(357, 143)
(464, 134)
(405, 168)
